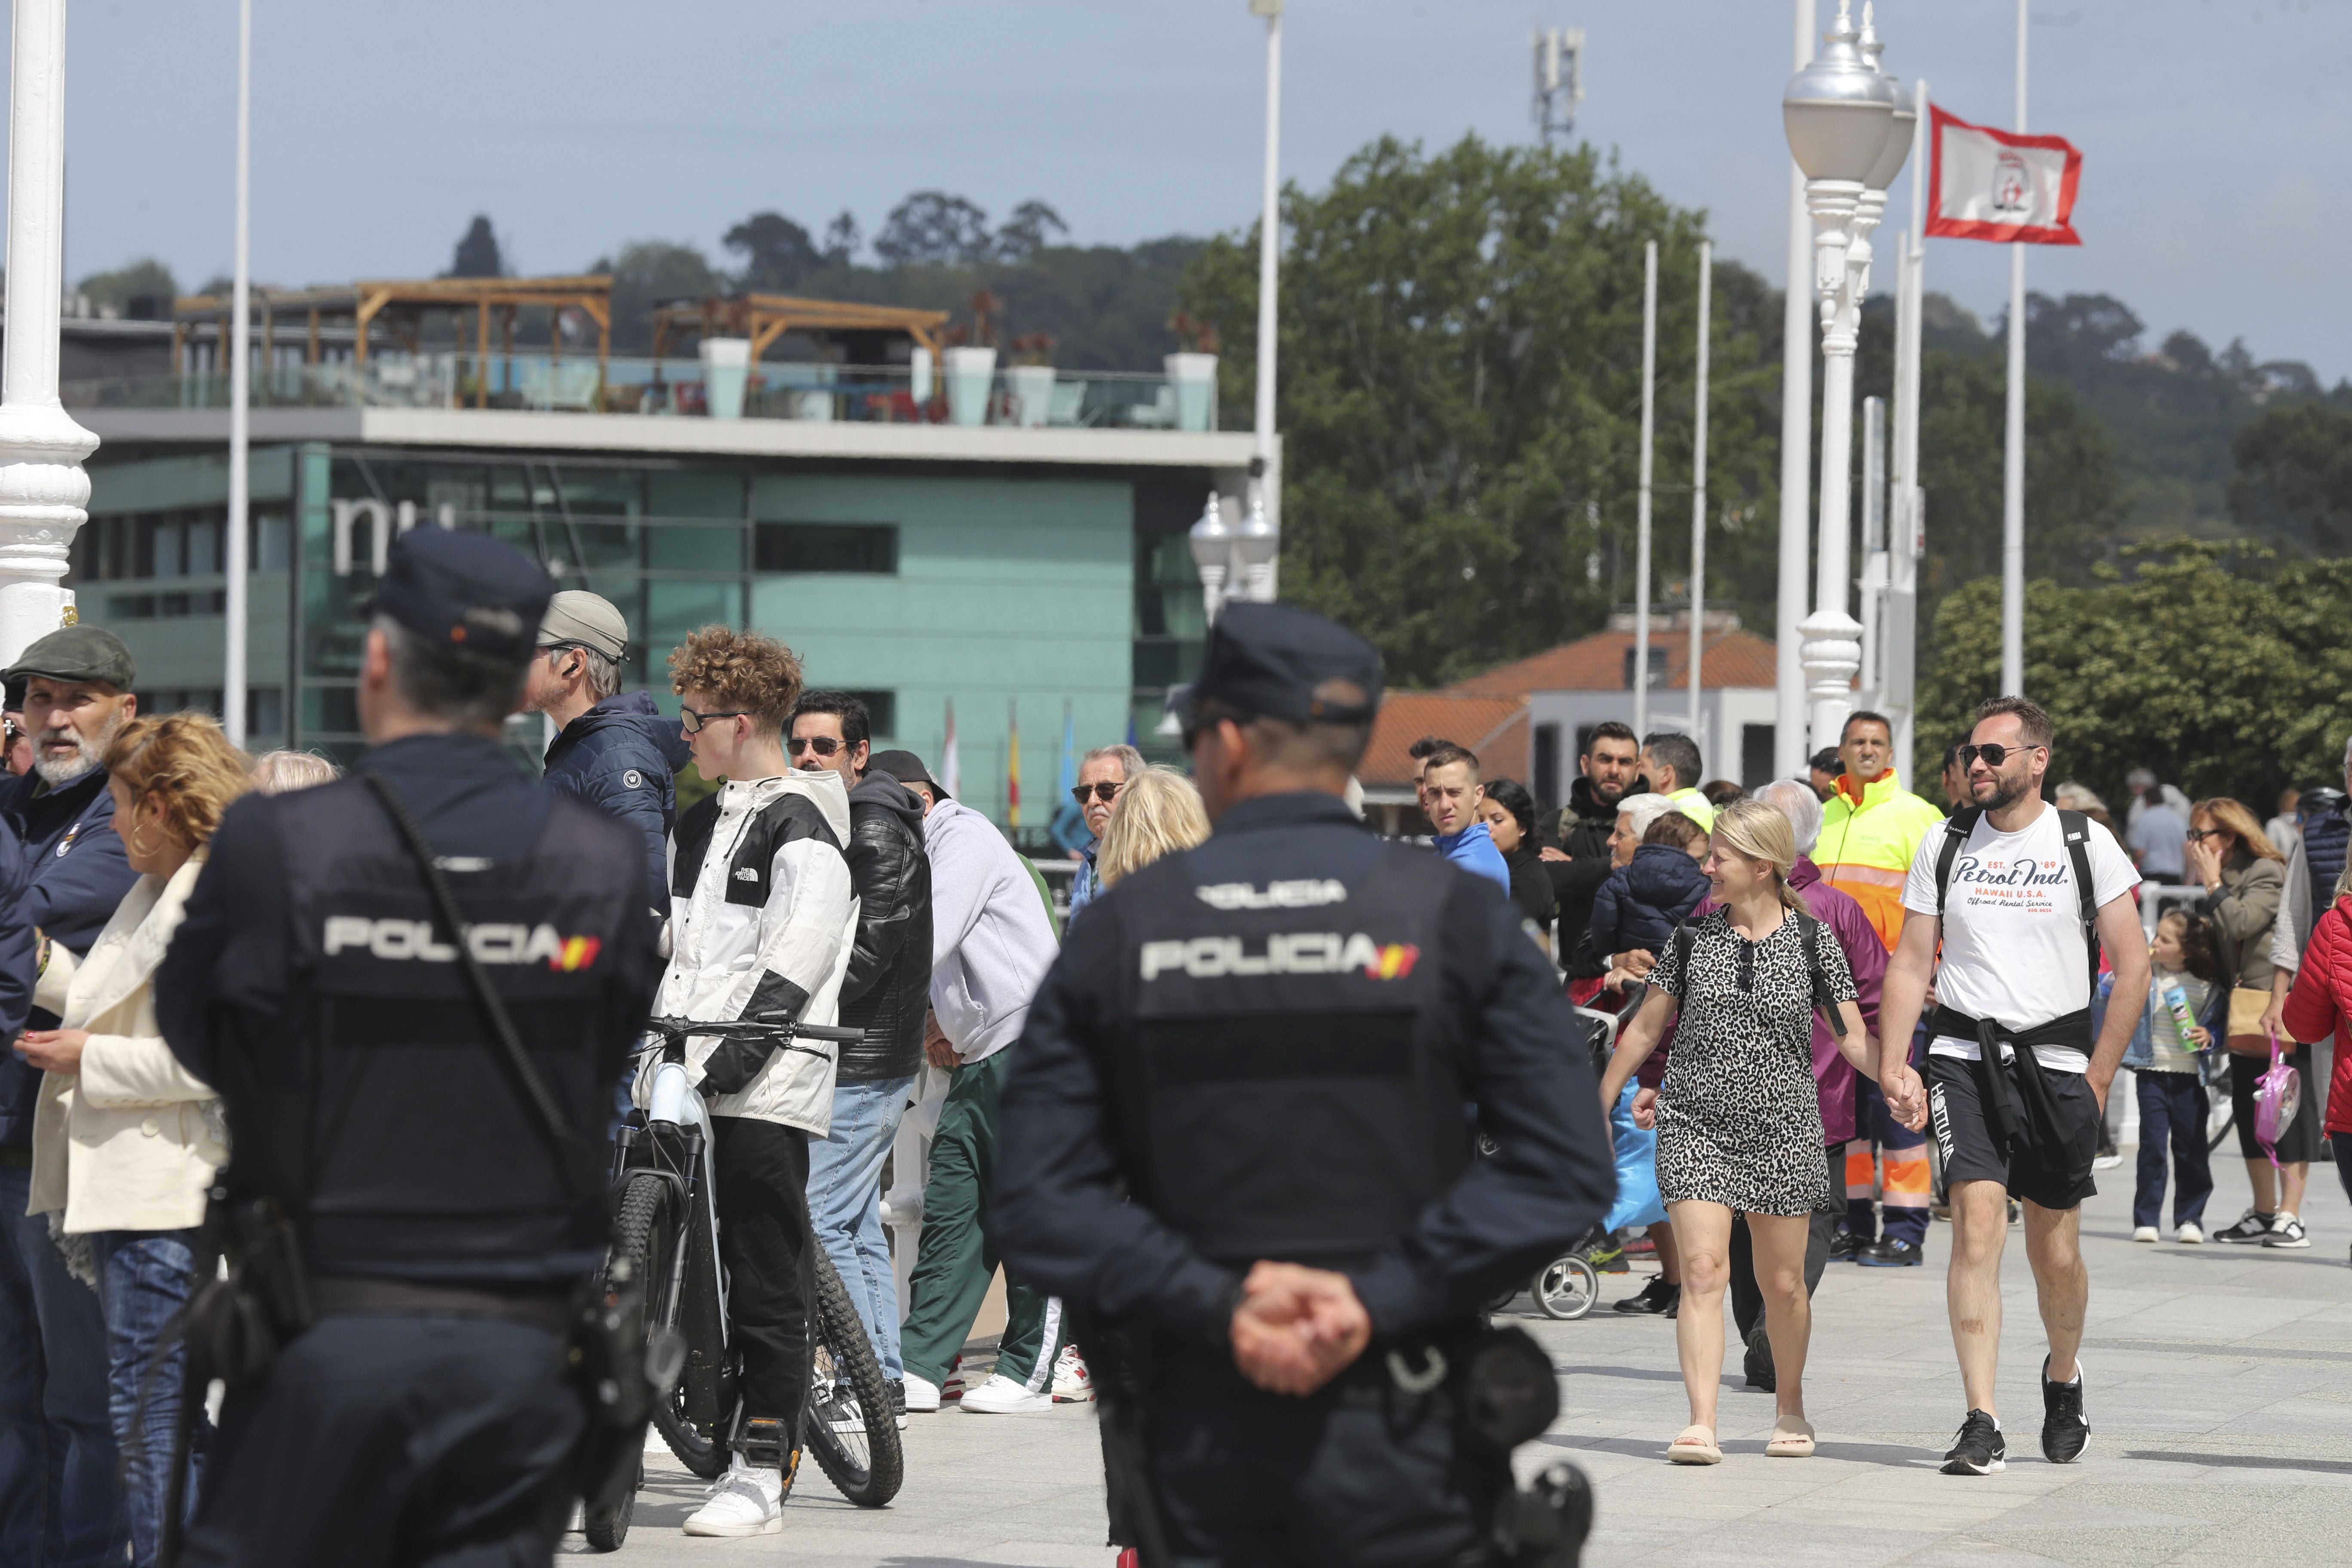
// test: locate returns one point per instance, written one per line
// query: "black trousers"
(1746, 1296)
(1256, 1481)
(394, 1442)
(761, 1170)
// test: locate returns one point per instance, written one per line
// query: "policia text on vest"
(1262, 1055)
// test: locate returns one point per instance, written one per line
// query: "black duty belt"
(2041, 1126)
(348, 1295)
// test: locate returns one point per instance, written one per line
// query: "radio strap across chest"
(535, 1092)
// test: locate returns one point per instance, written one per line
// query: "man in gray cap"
(76, 685)
(613, 749)
(1238, 1139)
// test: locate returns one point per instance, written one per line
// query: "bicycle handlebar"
(752, 1028)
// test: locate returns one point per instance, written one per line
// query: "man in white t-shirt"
(2014, 975)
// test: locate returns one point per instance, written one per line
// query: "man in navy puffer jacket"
(616, 749)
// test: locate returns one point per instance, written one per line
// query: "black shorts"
(2056, 1178)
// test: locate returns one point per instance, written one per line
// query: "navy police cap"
(1280, 661)
(465, 591)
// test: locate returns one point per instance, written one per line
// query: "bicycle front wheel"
(850, 1427)
(647, 1233)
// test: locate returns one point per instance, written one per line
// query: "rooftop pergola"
(401, 309)
(764, 318)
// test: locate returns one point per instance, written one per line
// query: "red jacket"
(2321, 1003)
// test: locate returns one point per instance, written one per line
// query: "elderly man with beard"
(59, 1500)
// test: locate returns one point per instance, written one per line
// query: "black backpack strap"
(1809, 931)
(2076, 828)
(1955, 835)
(1682, 940)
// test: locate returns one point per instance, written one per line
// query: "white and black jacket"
(761, 921)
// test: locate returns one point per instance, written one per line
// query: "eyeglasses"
(1994, 753)
(1105, 792)
(823, 746)
(692, 722)
(2201, 833)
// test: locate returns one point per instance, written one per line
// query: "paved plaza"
(2219, 1395)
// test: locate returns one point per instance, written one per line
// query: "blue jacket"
(65, 873)
(623, 755)
(1474, 850)
(2141, 1052)
(1640, 903)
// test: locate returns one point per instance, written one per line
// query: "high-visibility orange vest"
(1870, 834)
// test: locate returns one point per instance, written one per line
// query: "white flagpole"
(2012, 478)
(1796, 459)
(1899, 658)
(240, 393)
(1698, 494)
(1642, 523)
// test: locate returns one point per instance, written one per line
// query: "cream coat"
(132, 1142)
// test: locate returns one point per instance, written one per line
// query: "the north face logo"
(746, 874)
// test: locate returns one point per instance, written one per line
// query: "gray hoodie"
(991, 941)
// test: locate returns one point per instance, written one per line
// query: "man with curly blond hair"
(762, 922)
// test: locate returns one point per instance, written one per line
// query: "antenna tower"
(1560, 81)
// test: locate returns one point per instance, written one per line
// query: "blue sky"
(2216, 134)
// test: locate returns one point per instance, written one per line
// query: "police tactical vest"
(1290, 1078)
(388, 1123)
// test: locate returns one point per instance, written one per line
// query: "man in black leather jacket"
(885, 992)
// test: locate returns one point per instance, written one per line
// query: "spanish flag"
(1012, 762)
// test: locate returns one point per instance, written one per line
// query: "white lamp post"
(1213, 551)
(1265, 524)
(1257, 540)
(1839, 115)
(43, 494)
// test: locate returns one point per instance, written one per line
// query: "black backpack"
(2074, 828)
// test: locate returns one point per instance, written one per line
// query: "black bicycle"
(667, 1226)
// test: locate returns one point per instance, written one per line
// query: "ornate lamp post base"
(1832, 654)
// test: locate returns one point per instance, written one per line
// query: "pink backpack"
(2278, 1095)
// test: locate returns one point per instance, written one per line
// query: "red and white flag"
(2000, 186)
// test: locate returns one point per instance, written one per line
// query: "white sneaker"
(2145, 1233)
(1073, 1384)
(922, 1395)
(747, 1501)
(2189, 1235)
(1000, 1395)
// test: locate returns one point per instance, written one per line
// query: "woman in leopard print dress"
(1739, 1126)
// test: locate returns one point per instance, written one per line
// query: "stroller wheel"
(1566, 1287)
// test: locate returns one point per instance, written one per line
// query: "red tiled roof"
(1597, 663)
(1496, 728)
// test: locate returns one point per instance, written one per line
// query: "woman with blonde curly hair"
(1157, 813)
(125, 1140)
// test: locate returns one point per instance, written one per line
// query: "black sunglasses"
(692, 722)
(823, 746)
(1994, 753)
(1104, 791)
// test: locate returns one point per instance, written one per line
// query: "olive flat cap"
(578, 619)
(78, 654)
(465, 591)
(1281, 661)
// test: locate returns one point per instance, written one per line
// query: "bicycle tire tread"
(852, 1353)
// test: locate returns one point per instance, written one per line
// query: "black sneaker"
(1888, 1253)
(2249, 1231)
(2065, 1430)
(1982, 1449)
(1657, 1297)
(1758, 1363)
(2287, 1231)
(1844, 1245)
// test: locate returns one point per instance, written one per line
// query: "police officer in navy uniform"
(439, 1224)
(1239, 1143)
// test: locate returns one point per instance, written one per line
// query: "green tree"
(2218, 667)
(2294, 482)
(146, 280)
(646, 273)
(1460, 392)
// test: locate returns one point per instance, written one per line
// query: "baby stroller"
(1569, 1287)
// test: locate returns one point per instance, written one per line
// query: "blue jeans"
(844, 1194)
(2171, 1104)
(144, 1279)
(59, 1504)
